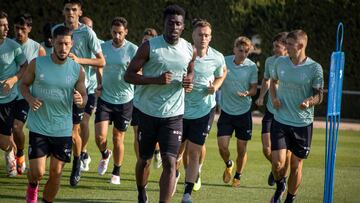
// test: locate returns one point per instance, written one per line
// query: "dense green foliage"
(230, 19)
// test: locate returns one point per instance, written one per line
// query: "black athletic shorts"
(166, 131)
(135, 117)
(197, 130)
(78, 114)
(266, 121)
(7, 118)
(241, 124)
(90, 104)
(21, 110)
(120, 114)
(295, 139)
(41, 145)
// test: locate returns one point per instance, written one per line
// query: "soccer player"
(148, 34)
(31, 50)
(11, 58)
(236, 92)
(85, 44)
(57, 82)
(279, 49)
(116, 95)
(167, 63)
(300, 88)
(210, 72)
(46, 44)
(84, 124)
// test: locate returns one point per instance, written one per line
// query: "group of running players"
(165, 88)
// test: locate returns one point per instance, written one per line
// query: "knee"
(277, 165)
(18, 127)
(142, 163)
(169, 163)
(36, 175)
(55, 173)
(117, 139)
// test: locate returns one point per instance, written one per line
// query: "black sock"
(280, 184)
(228, 163)
(33, 185)
(105, 154)
(76, 162)
(116, 170)
(142, 197)
(84, 155)
(237, 175)
(20, 153)
(289, 198)
(177, 173)
(188, 187)
(156, 151)
(44, 201)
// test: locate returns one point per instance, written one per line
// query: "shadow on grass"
(242, 186)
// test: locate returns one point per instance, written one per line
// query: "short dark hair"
(150, 31)
(198, 22)
(173, 10)
(280, 37)
(78, 2)
(23, 19)
(119, 21)
(62, 31)
(3, 14)
(297, 35)
(47, 29)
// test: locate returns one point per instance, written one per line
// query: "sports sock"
(289, 198)
(177, 173)
(33, 185)
(20, 153)
(237, 175)
(76, 162)
(44, 201)
(228, 163)
(156, 151)
(141, 194)
(105, 154)
(188, 187)
(116, 170)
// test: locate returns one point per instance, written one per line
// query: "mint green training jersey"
(164, 101)
(48, 50)
(199, 102)
(238, 79)
(31, 50)
(114, 88)
(269, 71)
(54, 85)
(11, 57)
(296, 83)
(85, 44)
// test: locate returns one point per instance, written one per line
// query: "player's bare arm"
(133, 73)
(27, 81)
(80, 95)
(215, 86)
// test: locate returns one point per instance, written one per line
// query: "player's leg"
(225, 130)
(21, 111)
(147, 141)
(60, 150)
(169, 138)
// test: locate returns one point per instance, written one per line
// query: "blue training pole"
(336, 77)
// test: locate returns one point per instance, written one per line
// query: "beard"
(57, 55)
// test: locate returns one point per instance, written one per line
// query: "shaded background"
(230, 19)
